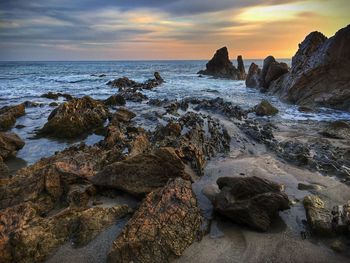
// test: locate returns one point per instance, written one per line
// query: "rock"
(10, 143)
(53, 176)
(4, 171)
(124, 82)
(53, 104)
(318, 217)
(9, 114)
(122, 115)
(20, 126)
(167, 222)
(337, 130)
(31, 104)
(294, 152)
(275, 70)
(338, 246)
(55, 96)
(241, 68)
(142, 173)
(253, 77)
(264, 108)
(250, 201)
(302, 186)
(115, 100)
(341, 218)
(43, 235)
(220, 66)
(133, 96)
(305, 109)
(319, 74)
(74, 118)
(130, 85)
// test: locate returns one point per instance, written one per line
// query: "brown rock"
(75, 118)
(10, 143)
(4, 171)
(8, 115)
(167, 222)
(241, 68)
(142, 173)
(122, 115)
(115, 100)
(264, 108)
(253, 77)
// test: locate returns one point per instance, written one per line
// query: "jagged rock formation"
(319, 74)
(75, 118)
(167, 222)
(10, 143)
(220, 66)
(126, 83)
(251, 201)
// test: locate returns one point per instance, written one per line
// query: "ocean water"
(26, 81)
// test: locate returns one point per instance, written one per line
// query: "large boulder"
(320, 72)
(167, 222)
(250, 201)
(74, 118)
(10, 143)
(142, 173)
(220, 66)
(8, 115)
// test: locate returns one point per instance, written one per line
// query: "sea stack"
(220, 66)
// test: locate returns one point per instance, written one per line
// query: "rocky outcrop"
(142, 173)
(125, 83)
(115, 100)
(167, 222)
(251, 201)
(220, 66)
(4, 171)
(122, 115)
(33, 240)
(52, 176)
(74, 118)
(320, 72)
(264, 108)
(10, 143)
(9, 114)
(271, 71)
(337, 130)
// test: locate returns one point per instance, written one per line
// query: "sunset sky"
(159, 29)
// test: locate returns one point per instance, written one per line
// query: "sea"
(26, 81)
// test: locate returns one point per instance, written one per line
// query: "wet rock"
(253, 77)
(264, 108)
(43, 235)
(133, 96)
(337, 130)
(53, 104)
(115, 100)
(31, 104)
(341, 218)
(9, 114)
(260, 132)
(319, 73)
(142, 173)
(124, 82)
(220, 66)
(10, 143)
(128, 84)
(122, 115)
(250, 201)
(78, 195)
(318, 217)
(294, 152)
(302, 186)
(74, 118)
(55, 96)
(167, 222)
(20, 126)
(305, 109)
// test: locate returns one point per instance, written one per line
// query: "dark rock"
(142, 173)
(8, 115)
(264, 108)
(31, 104)
(20, 126)
(275, 70)
(55, 96)
(294, 152)
(122, 115)
(337, 130)
(220, 66)
(10, 143)
(250, 201)
(124, 82)
(167, 222)
(115, 100)
(4, 171)
(320, 72)
(133, 96)
(127, 84)
(53, 104)
(241, 68)
(75, 118)
(253, 77)
(305, 109)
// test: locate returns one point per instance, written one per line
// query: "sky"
(160, 29)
